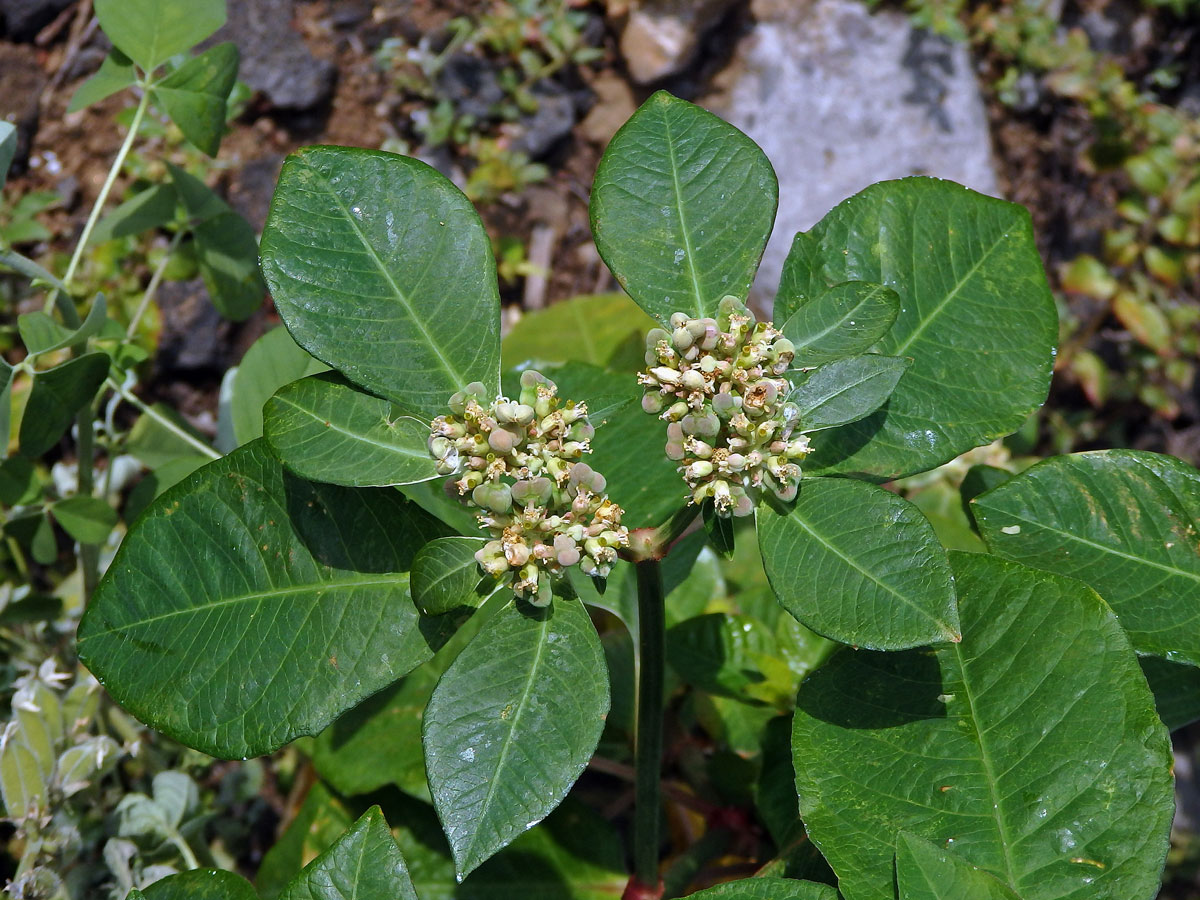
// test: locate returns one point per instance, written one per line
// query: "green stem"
(97, 208)
(128, 396)
(152, 287)
(649, 736)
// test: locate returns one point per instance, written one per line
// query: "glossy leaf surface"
(152, 31)
(926, 872)
(248, 607)
(860, 565)
(201, 884)
(325, 429)
(682, 206)
(381, 268)
(976, 317)
(1031, 748)
(364, 863)
(846, 320)
(512, 724)
(767, 889)
(845, 391)
(1123, 521)
(445, 576)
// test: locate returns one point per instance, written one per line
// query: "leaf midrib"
(398, 449)
(839, 321)
(1104, 548)
(246, 598)
(942, 626)
(950, 295)
(989, 769)
(469, 850)
(683, 227)
(458, 377)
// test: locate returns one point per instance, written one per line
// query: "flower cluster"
(718, 383)
(518, 462)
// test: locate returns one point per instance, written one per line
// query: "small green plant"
(986, 731)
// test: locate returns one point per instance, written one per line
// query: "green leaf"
(201, 884)
(718, 652)
(446, 577)
(194, 95)
(926, 872)
(325, 429)
(719, 530)
(381, 268)
(600, 329)
(1031, 748)
(976, 317)
(227, 253)
(152, 208)
(22, 785)
(115, 74)
(150, 32)
(846, 320)
(1123, 521)
(56, 396)
(365, 862)
(845, 390)
(11, 259)
(321, 820)
(1176, 689)
(88, 520)
(14, 478)
(8, 149)
(226, 248)
(860, 565)
(379, 741)
(200, 202)
(247, 607)
(512, 724)
(274, 360)
(767, 889)
(41, 334)
(682, 206)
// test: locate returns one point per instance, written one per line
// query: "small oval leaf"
(682, 206)
(325, 429)
(860, 565)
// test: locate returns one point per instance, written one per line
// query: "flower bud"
(681, 339)
(701, 468)
(653, 403)
(693, 380)
(502, 440)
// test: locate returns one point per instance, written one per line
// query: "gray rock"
(472, 84)
(23, 19)
(839, 98)
(275, 60)
(553, 120)
(194, 336)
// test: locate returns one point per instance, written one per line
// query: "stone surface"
(661, 37)
(553, 120)
(839, 99)
(614, 105)
(21, 83)
(275, 60)
(21, 20)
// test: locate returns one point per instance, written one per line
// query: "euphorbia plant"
(987, 730)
